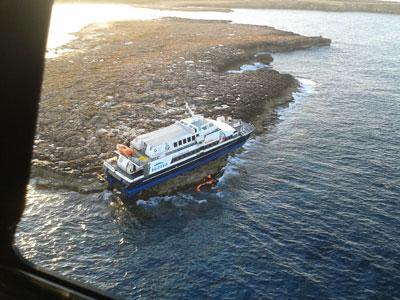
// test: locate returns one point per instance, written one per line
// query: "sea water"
(310, 209)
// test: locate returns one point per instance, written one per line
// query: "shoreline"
(367, 6)
(127, 78)
(45, 178)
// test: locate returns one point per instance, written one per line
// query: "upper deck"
(164, 135)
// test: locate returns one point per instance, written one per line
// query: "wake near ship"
(155, 157)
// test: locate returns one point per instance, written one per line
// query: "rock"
(104, 155)
(101, 132)
(75, 172)
(62, 164)
(264, 58)
(100, 104)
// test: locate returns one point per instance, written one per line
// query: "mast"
(193, 115)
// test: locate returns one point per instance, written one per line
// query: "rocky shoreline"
(372, 6)
(127, 78)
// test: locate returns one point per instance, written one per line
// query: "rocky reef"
(127, 78)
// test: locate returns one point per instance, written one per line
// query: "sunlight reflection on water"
(62, 29)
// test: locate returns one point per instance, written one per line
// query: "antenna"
(189, 110)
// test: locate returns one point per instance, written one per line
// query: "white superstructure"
(166, 147)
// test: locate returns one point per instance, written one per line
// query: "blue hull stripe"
(130, 191)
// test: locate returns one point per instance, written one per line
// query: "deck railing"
(246, 128)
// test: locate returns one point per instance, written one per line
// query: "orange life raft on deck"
(125, 150)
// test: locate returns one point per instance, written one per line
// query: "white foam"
(140, 202)
(230, 170)
(202, 201)
(106, 195)
(248, 67)
(178, 201)
(220, 194)
(153, 202)
(307, 87)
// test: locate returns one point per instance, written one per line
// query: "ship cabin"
(181, 135)
(180, 139)
(165, 140)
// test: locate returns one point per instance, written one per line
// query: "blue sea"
(309, 210)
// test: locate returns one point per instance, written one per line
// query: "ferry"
(158, 156)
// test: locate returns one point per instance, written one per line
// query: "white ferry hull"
(129, 190)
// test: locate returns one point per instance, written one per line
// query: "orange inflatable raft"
(125, 150)
(206, 181)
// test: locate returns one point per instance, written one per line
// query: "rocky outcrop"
(132, 77)
(375, 6)
(264, 58)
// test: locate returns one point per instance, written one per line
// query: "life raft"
(125, 150)
(206, 181)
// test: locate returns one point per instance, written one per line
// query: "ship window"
(184, 141)
(175, 144)
(189, 139)
(180, 143)
(193, 138)
(197, 134)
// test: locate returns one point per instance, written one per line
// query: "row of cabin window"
(193, 152)
(184, 141)
(184, 155)
(210, 145)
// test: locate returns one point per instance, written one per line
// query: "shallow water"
(308, 210)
